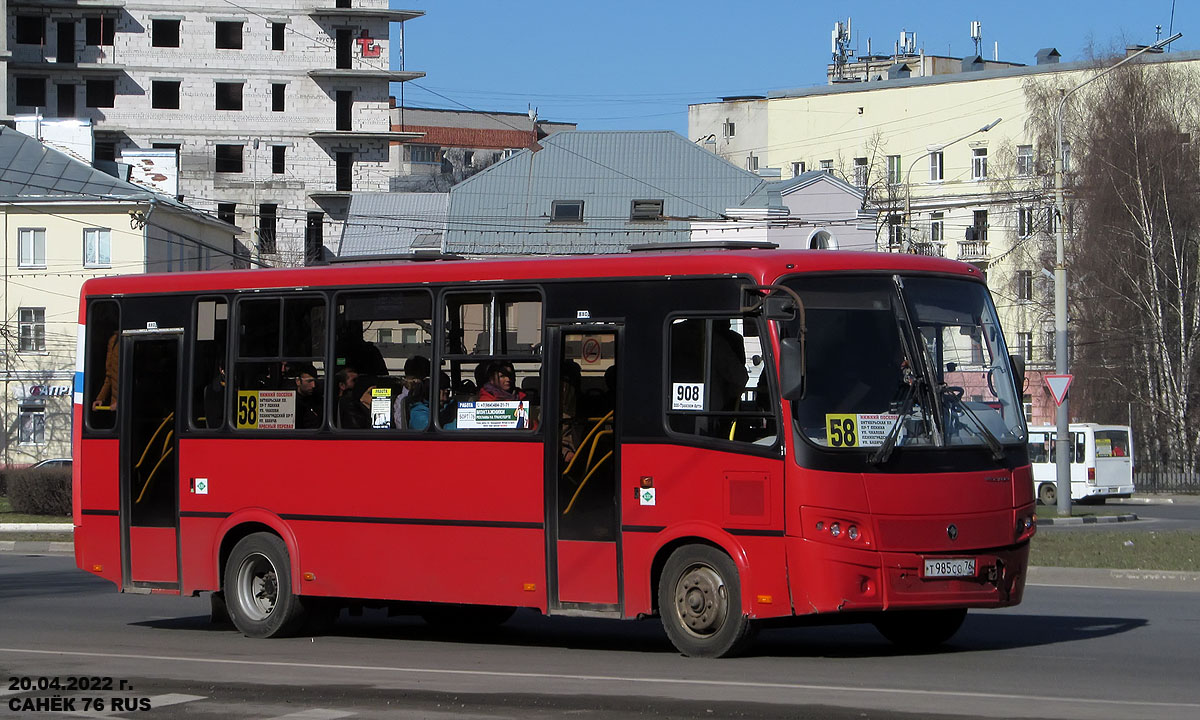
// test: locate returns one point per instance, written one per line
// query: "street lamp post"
(929, 150)
(1062, 460)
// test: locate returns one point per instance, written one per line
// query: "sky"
(622, 65)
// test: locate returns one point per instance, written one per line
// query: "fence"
(1165, 481)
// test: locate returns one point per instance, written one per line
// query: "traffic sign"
(1058, 385)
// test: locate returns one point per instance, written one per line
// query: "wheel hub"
(701, 600)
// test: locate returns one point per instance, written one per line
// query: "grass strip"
(1131, 550)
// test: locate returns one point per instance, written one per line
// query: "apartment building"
(276, 111)
(938, 182)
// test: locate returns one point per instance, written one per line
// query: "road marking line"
(314, 714)
(705, 682)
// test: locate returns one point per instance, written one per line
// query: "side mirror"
(1018, 368)
(791, 368)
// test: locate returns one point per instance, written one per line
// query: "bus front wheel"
(700, 601)
(258, 588)
(1048, 494)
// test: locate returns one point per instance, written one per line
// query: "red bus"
(716, 438)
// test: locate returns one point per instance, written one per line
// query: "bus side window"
(382, 347)
(1038, 452)
(1080, 448)
(102, 364)
(279, 372)
(718, 385)
(208, 363)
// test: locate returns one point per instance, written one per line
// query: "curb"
(1171, 580)
(37, 527)
(37, 547)
(1087, 520)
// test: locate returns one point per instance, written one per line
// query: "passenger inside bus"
(106, 398)
(214, 399)
(419, 413)
(416, 369)
(308, 400)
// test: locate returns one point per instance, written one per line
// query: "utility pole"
(1063, 442)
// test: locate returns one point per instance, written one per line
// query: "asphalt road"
(1064, 653)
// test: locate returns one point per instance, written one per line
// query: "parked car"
(53, 464)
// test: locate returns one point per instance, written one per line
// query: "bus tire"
(920, 629)
(258, 588)
(700, 603)
(1048, 494)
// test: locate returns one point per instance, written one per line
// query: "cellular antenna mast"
(977, 34)
(840, 46)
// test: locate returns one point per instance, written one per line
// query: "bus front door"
(149, 462)
(583, 456)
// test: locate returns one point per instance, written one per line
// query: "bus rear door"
(149, 460)
(583, 455)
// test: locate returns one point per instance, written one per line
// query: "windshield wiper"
(889, 443)
(986, 435)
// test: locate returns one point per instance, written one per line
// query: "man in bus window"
(308, 401)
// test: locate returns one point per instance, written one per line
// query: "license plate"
(950, 567)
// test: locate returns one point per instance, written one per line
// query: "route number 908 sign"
(687, 396)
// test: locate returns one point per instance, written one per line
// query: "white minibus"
(1101, 462)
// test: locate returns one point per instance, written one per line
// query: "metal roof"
(506, 209)
(393, 223)
(31, 171)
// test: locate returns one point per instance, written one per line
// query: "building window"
(229, 34)
(278, 153)
(895, 173)
(277, 30)
(100, 30)
(860, 172)
(229, 96)
(566, 211)
(1024, 222)
(344, 172)
(1049, 334)
(979, 164)
(827, 166)
(895, 226)
(32, 425)
(31, 327)
(1066, 156)
(229, 158)
(227, 212)
(1027, 406)
(1025, 345)
(937, 166)
(164, 94)
(105, 151)
(728, 129)
(937, 227)
(314, 237)
(32, 251)
(30, 30)
(343, 54)
(164, 33)
(344, 110)
(646, 210)
(752, 162)
(267, 212)
(423, 153)
(797, 169)
(1051, 219)
(1024, 160)
(1024, 284)
(101, 93)
(97, 247)
(978, 229)
(277, 96)
(30, 91)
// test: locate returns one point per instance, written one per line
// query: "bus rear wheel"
(700, 601)
(1048, 494)
(920, 629)
(258, 588)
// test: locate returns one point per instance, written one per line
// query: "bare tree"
(1134, 254)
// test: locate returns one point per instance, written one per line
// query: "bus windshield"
(902, 362)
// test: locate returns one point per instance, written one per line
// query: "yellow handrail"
(166, 450)
(584, 481)
(587, 438)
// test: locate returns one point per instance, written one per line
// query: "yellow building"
(64, 222)
(939, 183)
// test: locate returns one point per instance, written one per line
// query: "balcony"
(927, 248)
(359, 12)
(972, 251)
(352, 135)
(364, 73)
